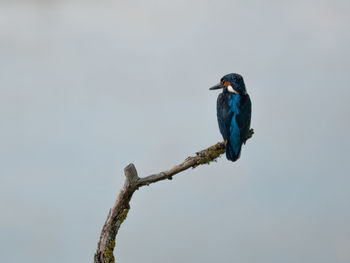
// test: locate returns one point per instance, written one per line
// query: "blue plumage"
(233, 113)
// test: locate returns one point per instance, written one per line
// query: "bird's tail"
(231, 154)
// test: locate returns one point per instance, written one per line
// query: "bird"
(234, 111)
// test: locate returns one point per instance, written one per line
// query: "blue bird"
(234, 111)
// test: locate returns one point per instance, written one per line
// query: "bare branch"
(118, 213)
(205, 156)
(116, 216)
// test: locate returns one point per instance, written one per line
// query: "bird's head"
(232, 83)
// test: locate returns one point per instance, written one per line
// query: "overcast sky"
(86, 87)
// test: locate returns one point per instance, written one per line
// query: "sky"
(87, 87)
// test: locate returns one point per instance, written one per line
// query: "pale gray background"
(87, 87)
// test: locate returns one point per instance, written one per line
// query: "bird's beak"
(217, 86)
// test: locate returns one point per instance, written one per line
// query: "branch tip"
(131, 175)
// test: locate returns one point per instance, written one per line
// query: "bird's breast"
(234, 102)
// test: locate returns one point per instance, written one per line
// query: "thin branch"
(118, 213)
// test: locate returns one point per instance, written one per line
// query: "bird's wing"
(243, 117)
(225, 115)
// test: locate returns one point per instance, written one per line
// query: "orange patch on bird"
(227, 83)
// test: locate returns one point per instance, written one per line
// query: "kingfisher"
(234, 110)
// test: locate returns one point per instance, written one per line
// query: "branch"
(118, 213)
